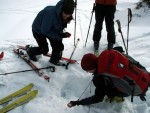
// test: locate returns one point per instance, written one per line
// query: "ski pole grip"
(119, 25)
(129, 15)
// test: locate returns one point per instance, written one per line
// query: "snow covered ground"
(16, 18)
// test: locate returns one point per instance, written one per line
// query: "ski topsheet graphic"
(1, 55)
(40, 72)
(24, 98)
(49, 55)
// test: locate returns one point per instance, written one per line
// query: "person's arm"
(98, 97)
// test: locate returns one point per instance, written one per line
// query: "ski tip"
(35, 92)
(31, 84)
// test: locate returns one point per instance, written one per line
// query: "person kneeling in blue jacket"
(49, 24)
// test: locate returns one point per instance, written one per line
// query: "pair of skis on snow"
(24, 95)
(22, 55)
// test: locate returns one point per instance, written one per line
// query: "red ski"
(25, 58)
(49, 55)
(1, 55)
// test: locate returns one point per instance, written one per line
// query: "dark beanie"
(68, 6)
(89, 62)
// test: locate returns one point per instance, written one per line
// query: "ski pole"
(90, 23)
(85, 90)
(119, 29)
(72, 53)
(129, 20)
(75, 21)
(48, 67)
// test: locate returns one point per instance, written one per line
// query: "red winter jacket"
(106, 2)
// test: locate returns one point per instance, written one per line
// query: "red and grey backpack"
(126, 77)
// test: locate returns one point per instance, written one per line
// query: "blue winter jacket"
(48, 22)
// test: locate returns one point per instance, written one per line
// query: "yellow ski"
(22, 100)
(17, 93)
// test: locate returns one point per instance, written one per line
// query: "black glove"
(65, 35)
(73, 103)
(142, 97)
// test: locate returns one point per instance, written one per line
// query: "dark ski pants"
(57, 47)
(104, 12)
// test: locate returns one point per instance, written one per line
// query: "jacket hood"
(59, 7)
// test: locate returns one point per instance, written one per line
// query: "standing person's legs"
(57, 48)
(42, 49)
(99, 17)
(109, 19)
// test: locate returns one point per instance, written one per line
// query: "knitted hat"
(68, 6)
(89, 62)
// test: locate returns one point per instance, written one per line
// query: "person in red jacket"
(104, 10)
(104, 85)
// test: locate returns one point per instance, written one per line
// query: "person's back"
(47, 19)
(114, 76)
(126, 76)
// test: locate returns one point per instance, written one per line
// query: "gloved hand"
(73, 103)
(142, 97)
(65, 35)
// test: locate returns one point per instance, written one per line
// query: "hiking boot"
(32, 57)
(61, 64)
(96, 45)
(110, 46)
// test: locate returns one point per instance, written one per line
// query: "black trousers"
(104, 12)
(57, 47)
